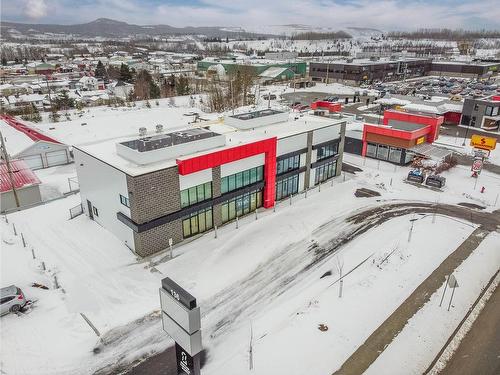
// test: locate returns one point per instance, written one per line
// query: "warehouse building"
(482, 113)
(256, 66)
(160, 185)
(36, 149)
(368, 70)
(477, 69)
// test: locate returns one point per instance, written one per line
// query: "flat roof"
(160, 141)
(406, 126)
(256, 114)
(105, 150)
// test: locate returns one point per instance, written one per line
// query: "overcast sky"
(336, 14)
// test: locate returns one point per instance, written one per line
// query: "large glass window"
(383, 152)
(325, 171)
(197, 222)
(196, 194)
(327, 151)
(395, 155)
(241, 179)
(371, 150)
(288, 164)
(287, 187)
(241, 205)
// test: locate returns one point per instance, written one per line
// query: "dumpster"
(435, 181)
(415, 176)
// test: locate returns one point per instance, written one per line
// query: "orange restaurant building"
(400, 135)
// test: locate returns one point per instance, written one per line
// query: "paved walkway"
(479, 351)
(369, 351)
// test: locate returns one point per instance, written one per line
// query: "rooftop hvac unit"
(143, 131)
(159, 128)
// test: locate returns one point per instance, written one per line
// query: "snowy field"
(416, 338)
(264, 275)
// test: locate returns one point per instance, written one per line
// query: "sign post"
(170, 243)
(182, 322)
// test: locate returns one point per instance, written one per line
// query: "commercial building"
(477, 69)
(162, 185)
(26, 183)
(450, 110)
(399, 137)
(368, 70)
(482, 113)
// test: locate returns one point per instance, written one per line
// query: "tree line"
(312, 35)
(445, 34)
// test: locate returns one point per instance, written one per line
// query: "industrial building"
(475, 69)
(257, 66)
(161, 185)
(368, 70)
(482, 113)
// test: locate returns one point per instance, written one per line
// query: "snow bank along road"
(236, 304)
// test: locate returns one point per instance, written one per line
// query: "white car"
(12, 300)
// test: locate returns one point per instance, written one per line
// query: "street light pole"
(466, 133)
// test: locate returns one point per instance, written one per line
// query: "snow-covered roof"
(273, 72)
(15, 141)
(105, 150)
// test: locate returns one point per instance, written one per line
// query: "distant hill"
(108, 28)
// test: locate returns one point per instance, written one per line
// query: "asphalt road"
(160, 364)
(479, 351)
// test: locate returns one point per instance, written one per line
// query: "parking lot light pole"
(465, 136)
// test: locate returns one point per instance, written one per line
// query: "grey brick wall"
(154, 194)
(156, 239)
(216, 190)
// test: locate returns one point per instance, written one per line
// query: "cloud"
(35, 9)
(333, 14)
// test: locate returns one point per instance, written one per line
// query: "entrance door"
(89, 206)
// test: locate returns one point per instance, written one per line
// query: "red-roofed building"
(42, 152)
(25, 182)
(398, 133)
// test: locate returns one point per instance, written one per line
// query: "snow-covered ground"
(423, 343)
(55, 181)
(262, 275)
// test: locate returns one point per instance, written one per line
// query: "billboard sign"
(484, 143)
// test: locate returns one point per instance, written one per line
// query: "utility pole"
(9, 170)
(48, 89)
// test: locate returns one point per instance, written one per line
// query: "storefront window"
(383, 152)
(395, 155)
(287, 187)
(197, 222)
(371, 150)
(325, 172)
(241, 205)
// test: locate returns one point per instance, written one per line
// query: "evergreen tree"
(4, 61)
(154, 90)
(182, 85)
(100, 70)
(125, 73)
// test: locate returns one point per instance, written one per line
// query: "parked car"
(12, 299)
(269, 97)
